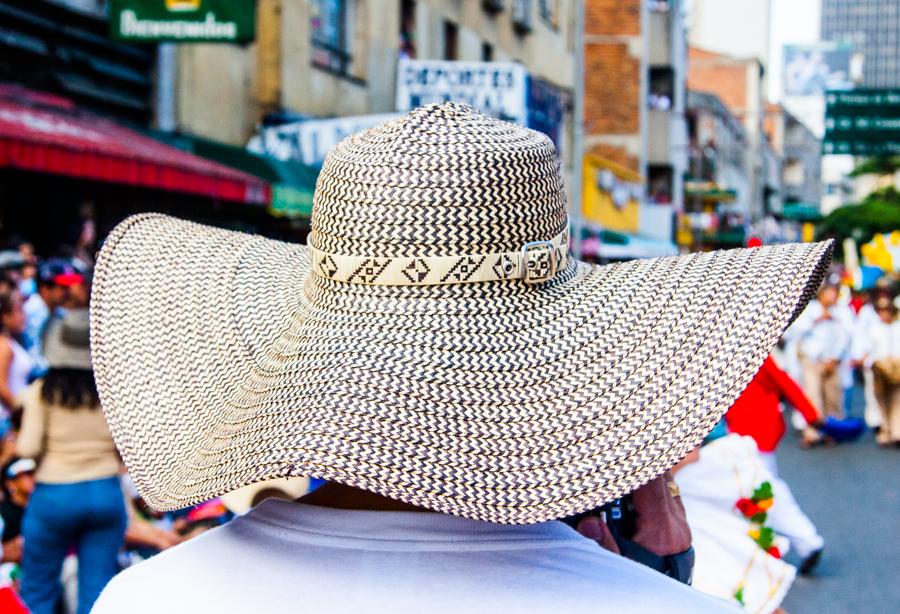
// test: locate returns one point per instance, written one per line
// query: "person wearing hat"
(55, 277)
(78, 498)
(437, 355)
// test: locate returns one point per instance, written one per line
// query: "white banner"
(310, 140)
(494, 88)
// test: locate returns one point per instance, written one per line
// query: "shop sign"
(309, 141)
(494, 88)
(183, 20)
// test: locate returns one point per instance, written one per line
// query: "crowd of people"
(70, 518)
(85, 522)
(742, 514)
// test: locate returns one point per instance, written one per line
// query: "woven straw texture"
(222, 360)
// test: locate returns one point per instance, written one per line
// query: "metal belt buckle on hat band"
(535, 266)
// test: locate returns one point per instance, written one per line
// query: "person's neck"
(45, 296)
(338, 496)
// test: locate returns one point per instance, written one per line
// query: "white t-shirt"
(289, 557)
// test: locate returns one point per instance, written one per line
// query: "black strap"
(679, 566)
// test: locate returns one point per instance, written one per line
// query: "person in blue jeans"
(78, 504)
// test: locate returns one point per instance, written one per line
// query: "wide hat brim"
(222, 361)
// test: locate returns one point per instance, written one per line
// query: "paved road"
(852, 493)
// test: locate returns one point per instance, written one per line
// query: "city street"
(852, 493)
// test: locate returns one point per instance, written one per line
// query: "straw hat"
(67, 343)
(434, 343)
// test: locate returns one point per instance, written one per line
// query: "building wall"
(223, 91)
(738, 84)
(873, 27)
(614, 81)
(734, 27)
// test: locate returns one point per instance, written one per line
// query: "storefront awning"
(708, 191)
(608, 245)
(49, 134)
(801, 212)
(293, 183)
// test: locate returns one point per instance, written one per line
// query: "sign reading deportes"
(183, 20)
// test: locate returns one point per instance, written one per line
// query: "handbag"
(888, 369)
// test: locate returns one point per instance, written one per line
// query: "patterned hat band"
(535, 262)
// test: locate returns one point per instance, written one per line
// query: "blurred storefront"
(63, 165)
(612, 196)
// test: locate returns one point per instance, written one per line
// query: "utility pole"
(575, 218)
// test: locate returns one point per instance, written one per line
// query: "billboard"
(810, 70)
(183, 20)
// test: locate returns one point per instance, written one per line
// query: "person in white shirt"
(819, 341)
(867, 320)
(881, 354)
(436, 355)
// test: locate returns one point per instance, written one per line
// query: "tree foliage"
(876, 213)
(877, 165)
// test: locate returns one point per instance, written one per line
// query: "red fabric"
(50, 135)
(756, 412)
(10, 602)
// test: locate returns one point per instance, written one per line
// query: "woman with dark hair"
(78, 498)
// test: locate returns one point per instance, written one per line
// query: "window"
(328, 24)
(521, 16)
(549, 11)
(661, 96)
(451, 40)
(408, 29)
(659, 184)
(487, 52)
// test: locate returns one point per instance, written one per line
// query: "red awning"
(48, 134)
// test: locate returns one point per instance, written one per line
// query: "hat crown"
(442, 180)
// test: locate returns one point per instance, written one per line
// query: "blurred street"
(852, 493)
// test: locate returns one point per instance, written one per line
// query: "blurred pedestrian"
(731, 564)
(55, 276)
(882, 355)
(17, 484)
(757, 412)
(15, 365)
(821, 339)
(78, 498)
(868, 323)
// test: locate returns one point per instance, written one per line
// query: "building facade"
(718, 187)
(738, 28)
(873, 28)
(635, 137)
(802, 163)
(738, 83)
(334, 58)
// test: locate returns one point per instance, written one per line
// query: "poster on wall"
(183, 21)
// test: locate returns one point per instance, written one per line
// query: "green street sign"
(183, 21)
(862, 122)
